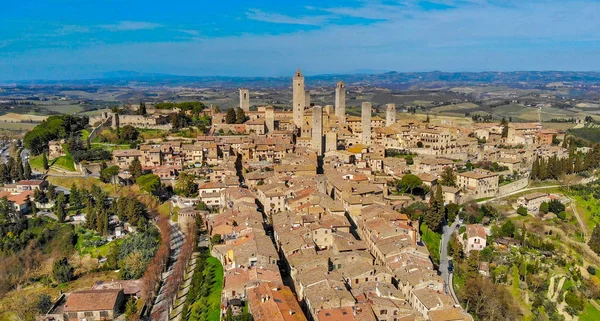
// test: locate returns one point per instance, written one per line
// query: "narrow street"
(160, 304)
(444, 261)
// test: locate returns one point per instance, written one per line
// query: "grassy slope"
(590, 313)
(214, 299)
(65, 162)
(432, 241)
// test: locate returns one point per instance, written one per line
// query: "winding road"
(444, 261)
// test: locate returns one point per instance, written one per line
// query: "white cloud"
(259, 15)
(131, 26)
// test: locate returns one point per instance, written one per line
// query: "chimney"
(291, 312)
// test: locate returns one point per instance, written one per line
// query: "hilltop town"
(304, 212)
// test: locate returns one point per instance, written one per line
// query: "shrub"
(591, 270)
(522, 210)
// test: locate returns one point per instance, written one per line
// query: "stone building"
(340, 102)
(317, 129)
(390, 114)
(245, 99)
(366, 123)
(298, 98)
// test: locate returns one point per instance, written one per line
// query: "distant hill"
(396, 80)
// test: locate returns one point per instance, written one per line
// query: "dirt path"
(582, 224)
(550, 294)
(557, 292)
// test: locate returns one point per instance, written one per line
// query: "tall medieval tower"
(298, 98)
(244, 99)
(366, 123)
(390, 115)
(340, 102)
(317, 129)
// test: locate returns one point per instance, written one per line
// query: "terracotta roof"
(20, 198)
(92, 300)
(476, 230)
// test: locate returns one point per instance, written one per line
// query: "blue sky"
(70, 39)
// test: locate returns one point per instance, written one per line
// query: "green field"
(208, 306)
(63, 108)
(17, 126)
(109, 147)
(432, 241)
(36, 163)
(65, 163)
(588, 215)
(590, 313)
(88, 242)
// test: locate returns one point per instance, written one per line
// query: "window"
(383, 312)
(88, 314)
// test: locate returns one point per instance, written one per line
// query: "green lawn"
(65, 162)
(214, 299)
(85, 134)
(582, 209)
(432, 241)
(109, 147)
(202, 306)
(90, 242)
(590, 313)
(36, 163)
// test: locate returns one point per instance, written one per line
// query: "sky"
(75, 39)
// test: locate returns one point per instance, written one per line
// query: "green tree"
(522, 210)
(230, 116)
(62, 270)
(504, 124)
(555, 206)
(129, 133)
(149, 183)
(131, 309)
(409, 182)
(142, 110)
(4, 173)
(435, 213)
(27, 171)
(240, 116)
(508, 228)
(59, 207)
(44, 303)
(544, 207)
(594, 242)
(448, 177)
(185, 185)
(108, 174)
(75, 197)
(135, 169)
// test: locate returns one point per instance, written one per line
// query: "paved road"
(517, 192)
(447, 276)
(161, 304)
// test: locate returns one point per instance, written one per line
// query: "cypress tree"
(230, 116)
(45, 161)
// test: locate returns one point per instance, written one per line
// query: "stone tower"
(307, 98)
(317, 129)
(340, 102)
(115, 120)
(244, 99)
(298, 98)
(390, 115)
(270, 118)
(366, 123)
(330, 141)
